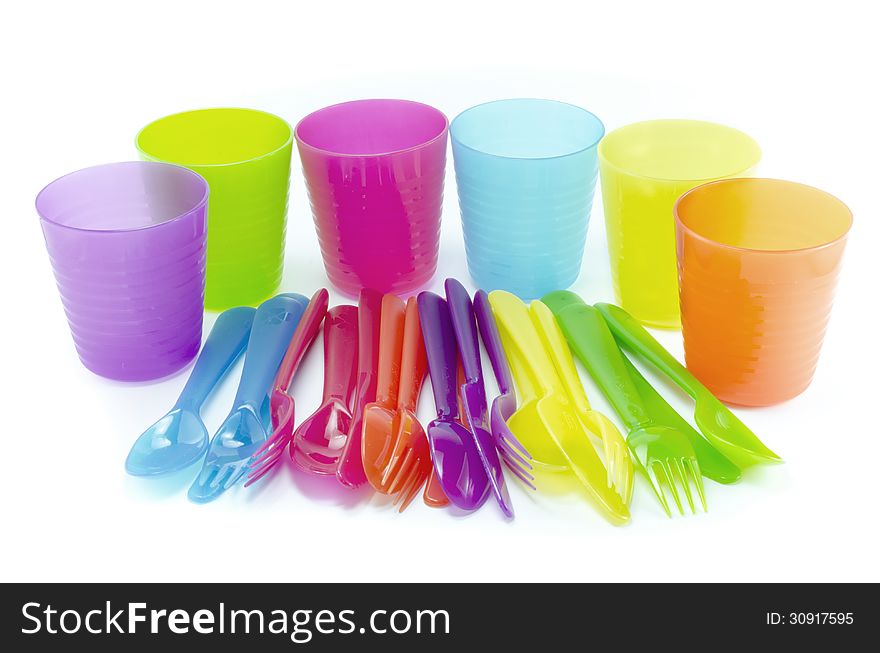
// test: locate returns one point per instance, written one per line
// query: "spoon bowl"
(458, 464)
(175, 441)
(321, 438)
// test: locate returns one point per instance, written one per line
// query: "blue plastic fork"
(245, 429)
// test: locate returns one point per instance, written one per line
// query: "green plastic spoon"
(714, 419)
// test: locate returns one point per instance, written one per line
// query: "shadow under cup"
(374, 171)
(758, 261)
(127, 245)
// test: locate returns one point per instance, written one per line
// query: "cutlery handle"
(413, 360)
(303, 337)
(224, 345)
(555, 343)
(369, 323)
(340, 354)
(632, 334)
(390, 349)
(350, 471)
(462, 312)
(592, 342)
(492, 341)
(274, 323)
(514, 320)
(442, 352)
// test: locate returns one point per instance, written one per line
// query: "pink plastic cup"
(127, 245)
(374, 171)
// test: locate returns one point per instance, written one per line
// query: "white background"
(80, 78)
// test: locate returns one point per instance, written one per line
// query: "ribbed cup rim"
(732, 173)
(196, 164)
(476, 107)
(679, 223)
(417, 146)
(181, 169)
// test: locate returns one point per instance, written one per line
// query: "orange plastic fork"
(410, 462)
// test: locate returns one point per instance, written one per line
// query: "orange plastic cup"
(758, 261)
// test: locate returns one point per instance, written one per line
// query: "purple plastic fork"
(514, 454)
(454, 451)
(473, 391)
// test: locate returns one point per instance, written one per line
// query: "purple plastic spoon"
(473, 391)
(457, 460)
(514, 454)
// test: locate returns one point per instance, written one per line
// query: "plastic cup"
(645, 167)
(374, 171)
(127, 246)
(758, 261)
(245, 156)
(526, 171)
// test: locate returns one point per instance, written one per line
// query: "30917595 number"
(810, 618)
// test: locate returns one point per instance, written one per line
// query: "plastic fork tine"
(514, 465)
(414, 491)
(679, 471)
(692, 467)
(412, 482)
(392, 471)
(266, 453)
(219, 477)
(266, 462)
(268, 457)
(512, 454)
(624, 479)
(238, 471)
(670, 484)
(269, 446)
(611, 466)
(233, 474)
(207, 475)
(658, 489)
(405, 486)
(403, 472)
(510, 440)
(521, 475)
(257, 474)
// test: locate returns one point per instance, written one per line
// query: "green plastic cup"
(244, 155)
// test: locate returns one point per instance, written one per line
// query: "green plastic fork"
(661, 452)
(714, 419)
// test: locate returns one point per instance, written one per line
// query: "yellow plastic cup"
(244, 155)
(645, 167)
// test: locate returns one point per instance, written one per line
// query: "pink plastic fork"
(281, 403)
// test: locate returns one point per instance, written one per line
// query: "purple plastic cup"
(127, 245)
(374, 171)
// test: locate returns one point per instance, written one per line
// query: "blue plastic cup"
(526, 171)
